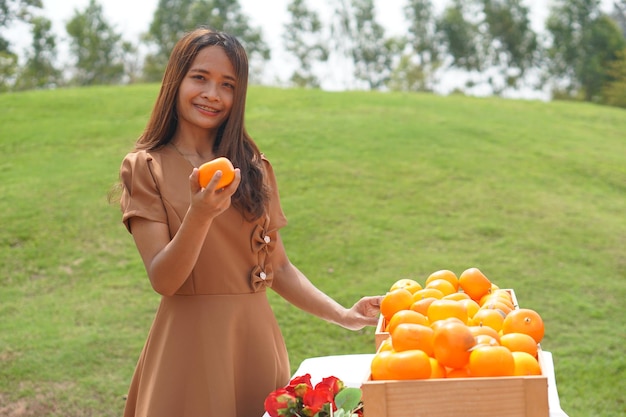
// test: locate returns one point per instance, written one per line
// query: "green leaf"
(347, 399)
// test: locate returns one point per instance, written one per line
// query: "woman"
(214, 348)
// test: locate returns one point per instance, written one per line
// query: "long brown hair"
(232, 139)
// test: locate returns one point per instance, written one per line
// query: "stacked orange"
(456, 327)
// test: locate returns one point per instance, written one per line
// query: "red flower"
(315, 399)
(300, 399)
(279, 402)
(332, 383)
(300, 385)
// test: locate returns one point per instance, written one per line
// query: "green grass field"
(376, 186)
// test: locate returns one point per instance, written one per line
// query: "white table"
(354, 369)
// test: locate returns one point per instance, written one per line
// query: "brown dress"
(214, 348)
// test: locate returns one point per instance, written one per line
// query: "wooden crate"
(456, 397)
(381, 334)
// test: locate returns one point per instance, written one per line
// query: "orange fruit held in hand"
(444, 309)
(407, 316)
(525, 364)
(519, 342)
(409, 364)
(491, 361)
(208, 169)
(474, 283)
(452, 342)
(524, 320)
(444, 274)
(394, 301)
(411, 336)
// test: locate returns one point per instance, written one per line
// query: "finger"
(193, 181)
(232, 187)
(212, 185)
(376, 300)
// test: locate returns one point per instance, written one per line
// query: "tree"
(512, 44)
(584, 43)
(566, 25)
(417, 68)
(8, 69)
(10, 11)
(302, 37)
(619, 15)
(460, 37)
(409, 75)
(173, 18)
(614, 92)
(603, 45)
(169, 23)
(39, 70)
(364, 41)
(96, 46)
(131, 62)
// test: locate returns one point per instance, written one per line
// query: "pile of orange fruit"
(455, 327)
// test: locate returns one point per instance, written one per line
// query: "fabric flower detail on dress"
(261, 277)
(263, 240)
(263, 243)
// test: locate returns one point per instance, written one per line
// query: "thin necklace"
(183, 155)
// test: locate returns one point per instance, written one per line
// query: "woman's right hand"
(209, 202)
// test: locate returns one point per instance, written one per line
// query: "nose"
(211, 92)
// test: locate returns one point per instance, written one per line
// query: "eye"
(229, 85)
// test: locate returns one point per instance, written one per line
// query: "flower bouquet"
(329, 398)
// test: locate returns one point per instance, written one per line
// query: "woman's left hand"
(363, 313)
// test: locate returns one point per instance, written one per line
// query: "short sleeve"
(277, 217)
(140, 191)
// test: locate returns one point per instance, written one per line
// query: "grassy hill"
(376, 187)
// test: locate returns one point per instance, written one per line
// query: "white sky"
(133, 17)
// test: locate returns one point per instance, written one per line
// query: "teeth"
(208, 109)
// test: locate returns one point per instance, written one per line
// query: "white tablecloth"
(354, 369)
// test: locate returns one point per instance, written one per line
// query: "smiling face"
(206, 94)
